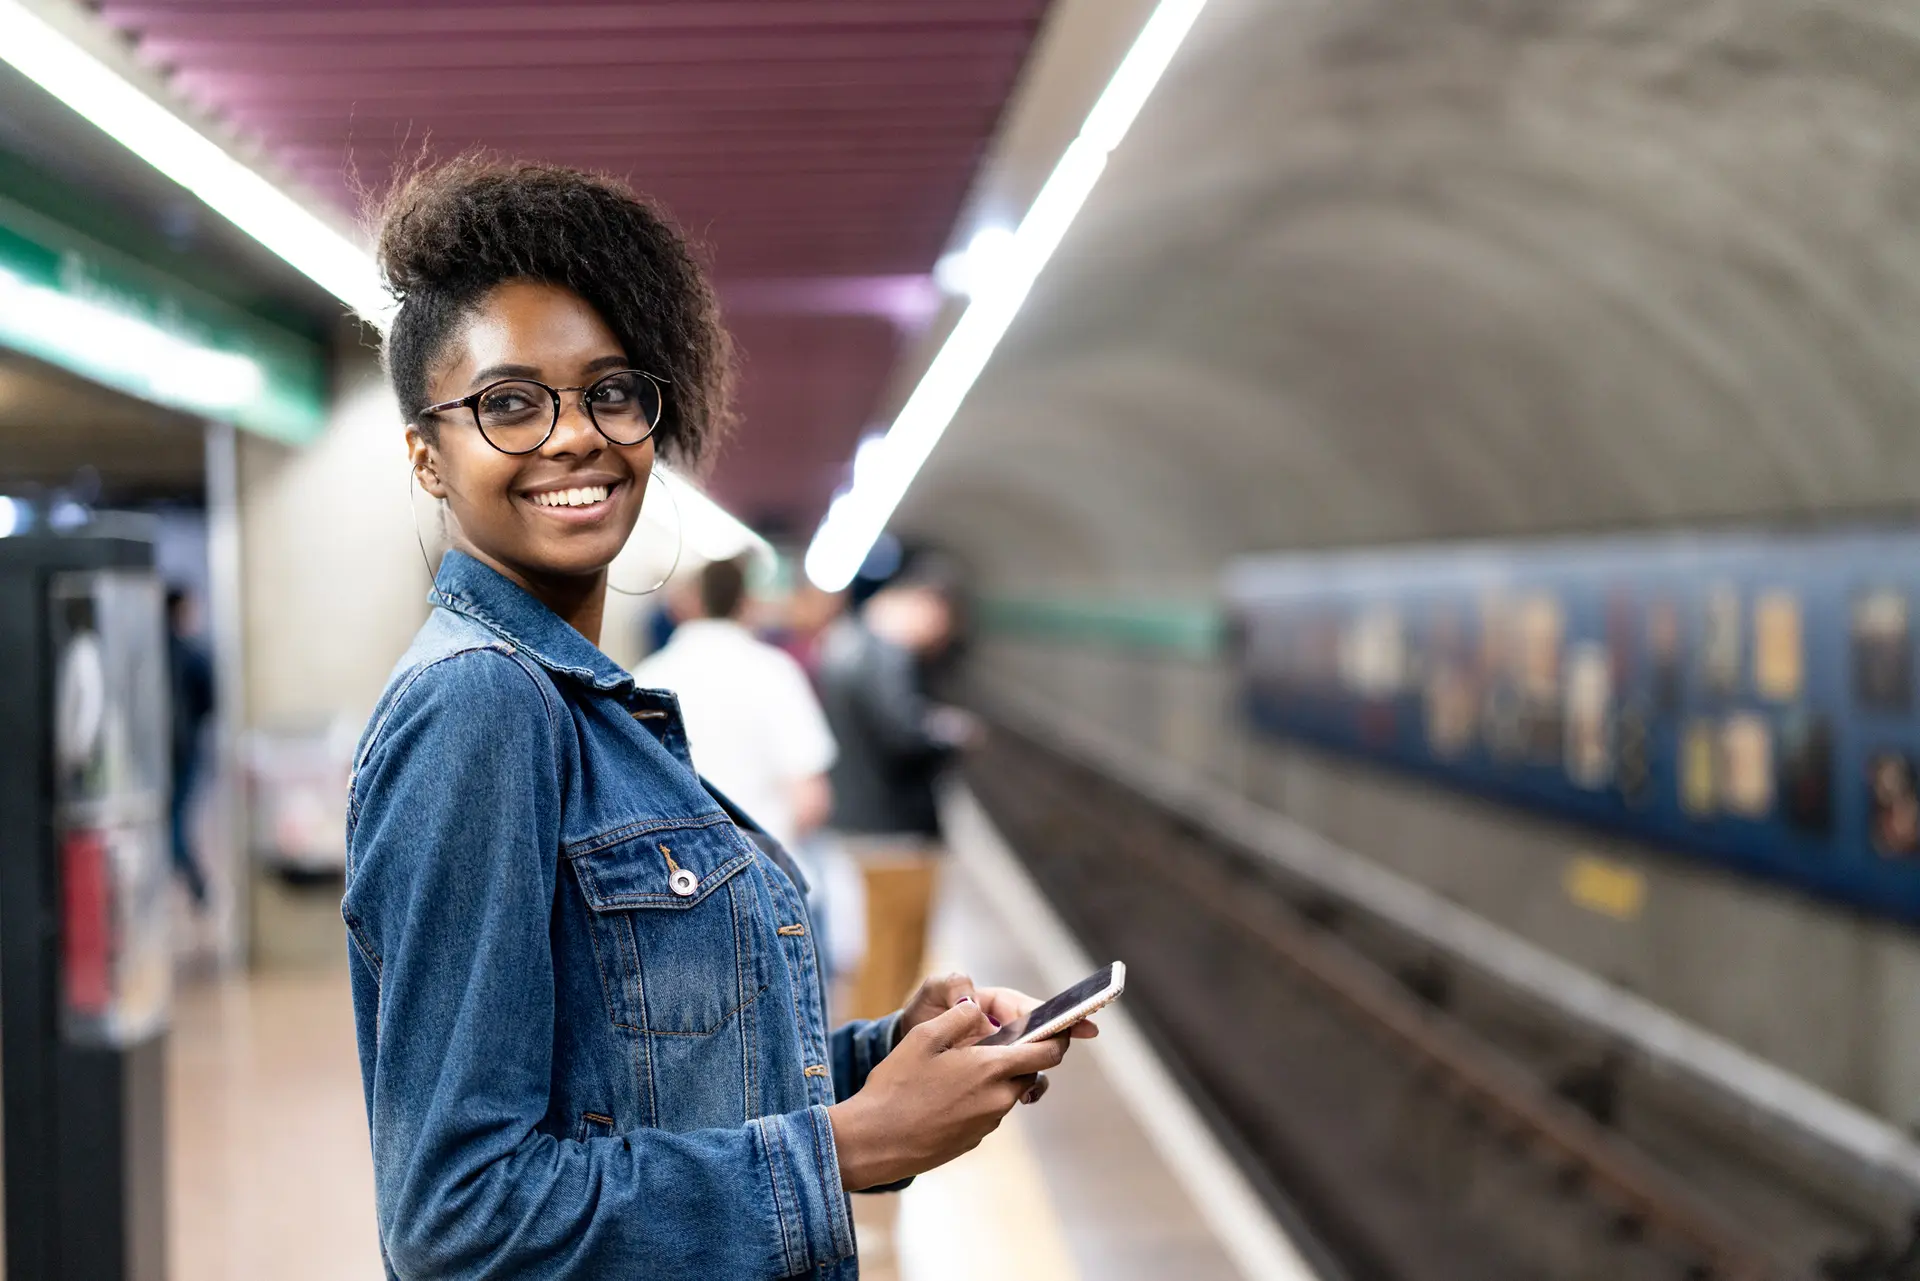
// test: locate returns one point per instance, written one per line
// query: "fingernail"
(1031, 1096)
(992, 1020)
(966, 1000)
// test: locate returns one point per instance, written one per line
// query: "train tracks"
(1419, 1142)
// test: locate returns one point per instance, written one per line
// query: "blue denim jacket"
(592, 1033)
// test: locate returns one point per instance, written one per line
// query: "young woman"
(591, 1028)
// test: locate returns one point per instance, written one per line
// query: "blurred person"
(894, 745)
(754, 726)
(679, 601)
(190, 682)
(586, 1000)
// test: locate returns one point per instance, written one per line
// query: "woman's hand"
(1002, 1004)
(934, 1097)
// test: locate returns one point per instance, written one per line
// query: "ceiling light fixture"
(124, 112)
(858, 516)
(123, 351)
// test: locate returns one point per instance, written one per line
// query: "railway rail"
(1419, 1130)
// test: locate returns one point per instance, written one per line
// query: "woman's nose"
(574, 432)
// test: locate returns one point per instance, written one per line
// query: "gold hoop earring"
(657, 477)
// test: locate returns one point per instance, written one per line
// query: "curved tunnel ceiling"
(1373, 271)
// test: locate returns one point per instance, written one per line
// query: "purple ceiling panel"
(818, 149)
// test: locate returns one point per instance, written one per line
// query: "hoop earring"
(657, 477)
(413, 518)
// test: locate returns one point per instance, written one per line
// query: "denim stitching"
(463, 604)
(355, 935)
(820, 1164)
(393, 704)
(599, 900)
(613, 836)
(767, 1141)
(723, 1021)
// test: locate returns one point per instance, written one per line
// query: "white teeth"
(572, 497)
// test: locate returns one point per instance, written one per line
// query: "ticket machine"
(85, 964)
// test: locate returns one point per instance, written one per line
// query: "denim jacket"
(591, 1027)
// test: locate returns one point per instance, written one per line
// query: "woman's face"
(504, 505)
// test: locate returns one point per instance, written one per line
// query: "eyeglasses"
(518, 415)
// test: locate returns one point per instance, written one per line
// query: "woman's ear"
(426, 469)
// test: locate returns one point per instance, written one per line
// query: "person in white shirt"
(754, 727)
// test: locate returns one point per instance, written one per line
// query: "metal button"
(683, 882)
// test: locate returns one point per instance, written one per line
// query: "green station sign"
(86, 308)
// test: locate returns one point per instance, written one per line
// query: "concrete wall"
(333, 582)
(1823, 992)
(332, 589)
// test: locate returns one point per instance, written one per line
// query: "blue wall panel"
(1747, 700)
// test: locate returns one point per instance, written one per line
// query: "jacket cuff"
(816, 1226)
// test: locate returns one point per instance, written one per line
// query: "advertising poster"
(1589, 748)
(1746, 765)
(1539, 626)
(1779, 655)
(1806, 772)
(1893, 799)
(1663, 653)
(1622, 637)
(1698, 752)
(1453, 708)
(1633, 771)
(1720, 641)
(1882, 652)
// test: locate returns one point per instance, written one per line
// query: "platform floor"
(271, 1176)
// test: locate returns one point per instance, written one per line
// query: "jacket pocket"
(673, 923)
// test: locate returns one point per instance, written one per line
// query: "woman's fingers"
(962, 1025)
(1039, 1087)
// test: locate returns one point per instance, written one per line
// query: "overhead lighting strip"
(127, 114)
(859, 516)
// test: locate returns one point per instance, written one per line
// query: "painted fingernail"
(1031, 1096)
(966, 1000)
(992, 1020)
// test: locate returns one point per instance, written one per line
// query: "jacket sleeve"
(855, 1048)
(454, 849)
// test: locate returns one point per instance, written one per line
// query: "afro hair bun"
(450, 234)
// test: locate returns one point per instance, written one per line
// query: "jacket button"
(683, 882)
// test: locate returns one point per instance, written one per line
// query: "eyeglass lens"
(517, 416)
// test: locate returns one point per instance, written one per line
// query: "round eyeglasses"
(518, 415)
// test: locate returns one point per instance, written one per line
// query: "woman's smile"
(586, 499)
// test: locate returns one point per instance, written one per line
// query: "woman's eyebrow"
(493, 372)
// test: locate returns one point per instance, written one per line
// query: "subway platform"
(1111, 1177)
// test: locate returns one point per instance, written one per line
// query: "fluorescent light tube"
(125, 113)
(996, 287)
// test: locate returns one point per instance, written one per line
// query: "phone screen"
(1053, 1007)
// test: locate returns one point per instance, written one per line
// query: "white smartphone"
(1058, 1013)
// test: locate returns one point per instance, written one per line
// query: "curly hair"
(451, 233)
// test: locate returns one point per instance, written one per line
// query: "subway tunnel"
(1537, 369)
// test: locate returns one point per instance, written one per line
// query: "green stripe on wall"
(1191, 629)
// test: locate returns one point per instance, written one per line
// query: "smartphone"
(1058, 1013)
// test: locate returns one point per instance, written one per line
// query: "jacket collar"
(468, 587)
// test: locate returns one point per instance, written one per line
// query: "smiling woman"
(588, 1006)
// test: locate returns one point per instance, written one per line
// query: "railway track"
(1421, 1130)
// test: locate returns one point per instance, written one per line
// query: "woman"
(590, 1022)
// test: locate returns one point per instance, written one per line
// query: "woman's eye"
(506, 402)
(617, 394)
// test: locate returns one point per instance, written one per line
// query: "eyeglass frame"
(471, 404)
